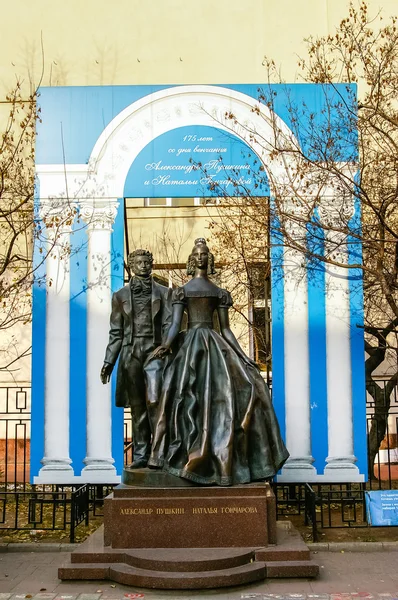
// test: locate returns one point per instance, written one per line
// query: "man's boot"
(141, 438)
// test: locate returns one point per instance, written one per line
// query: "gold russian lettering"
(234, 510)
(205, 510)
(136, 511)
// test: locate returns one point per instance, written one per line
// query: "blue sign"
(382, 507)
(196, 161)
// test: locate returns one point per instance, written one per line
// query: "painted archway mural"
(98, 145)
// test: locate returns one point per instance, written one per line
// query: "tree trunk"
(378, 428)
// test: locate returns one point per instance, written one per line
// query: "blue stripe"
(357, 346)
(317, 350)
(117, 254)
(74, 117)
(78, 345)
(38, 351)
(277, 312)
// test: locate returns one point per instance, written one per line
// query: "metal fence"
(382, 413)
(332, 505)
(45, 508)
(323, 506)
(54, 507)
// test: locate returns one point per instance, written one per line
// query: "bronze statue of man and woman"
(200, 407)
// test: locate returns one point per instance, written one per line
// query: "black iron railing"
(44, 509)
(382, 424)
(32, 508)
(15, 420)
(310, 511)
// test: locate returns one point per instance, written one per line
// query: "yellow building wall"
(168, 232)
(86, 42)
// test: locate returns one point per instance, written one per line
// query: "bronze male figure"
(141, 315)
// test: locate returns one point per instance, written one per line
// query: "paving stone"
(391, 547)
(5, 596)
(273, 596)
(34, 547)
(48, 547)
(356, 547)
(18, 547)
(89, 596)
(43, 596)
(262, 596)
(324, 546)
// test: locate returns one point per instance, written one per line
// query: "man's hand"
(106, 372)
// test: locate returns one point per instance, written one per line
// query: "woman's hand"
(159, 352)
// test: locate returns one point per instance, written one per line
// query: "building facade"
(91, 48)
(146, 142)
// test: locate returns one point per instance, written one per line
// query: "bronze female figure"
(216, 423)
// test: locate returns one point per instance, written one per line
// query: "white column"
(56, 461)
(341, 460)
(99, 216)
(299, 465)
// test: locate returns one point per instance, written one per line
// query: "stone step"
(170, 559)
(281, 553)
(292, 568)
(84, 571)
(133, 576)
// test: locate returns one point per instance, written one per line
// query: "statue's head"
(200, 258)
(140, 262)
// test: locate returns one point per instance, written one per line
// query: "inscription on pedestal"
(187, 522)
(200, 510)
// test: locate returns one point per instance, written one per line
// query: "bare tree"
(23, 225)
(335, 161)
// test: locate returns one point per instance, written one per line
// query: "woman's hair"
(210, 263)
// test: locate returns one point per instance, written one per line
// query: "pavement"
(28, 571)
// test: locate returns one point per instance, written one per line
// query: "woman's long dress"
(216, 422)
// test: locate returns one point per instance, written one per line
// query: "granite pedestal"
(189, 537)
(190, 517)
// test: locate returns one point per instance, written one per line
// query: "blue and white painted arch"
(317, 352)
